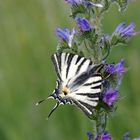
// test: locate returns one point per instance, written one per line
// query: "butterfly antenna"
(54, 108)
(38, 103)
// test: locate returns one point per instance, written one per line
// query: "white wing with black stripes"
(69, 65)
(79, 81)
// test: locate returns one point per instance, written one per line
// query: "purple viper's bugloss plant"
(123, 33)
(118, 68)
(83, 24)
(136, 138)
(74, 2)
(104, 136)
(90, 4)
(85, 78)
(87, 4)
(65, 35)
(110, 97)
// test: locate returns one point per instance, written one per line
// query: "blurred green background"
(27, 40)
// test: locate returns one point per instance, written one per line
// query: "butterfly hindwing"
(87, 95)
(81, 80)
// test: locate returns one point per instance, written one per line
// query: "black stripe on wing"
(70, 57)
(91, 83)
(86, 105)
(79, 80)
(90, 95)
(86, 110)
(56, 59)
(96, 87)
(82, 80)
(78, 59)
(80, 65)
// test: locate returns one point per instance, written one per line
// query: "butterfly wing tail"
(53, 109)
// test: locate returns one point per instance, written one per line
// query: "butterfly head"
(61, 94)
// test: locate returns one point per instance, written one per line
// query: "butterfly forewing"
(79, 81)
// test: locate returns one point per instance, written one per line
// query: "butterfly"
(79, 82)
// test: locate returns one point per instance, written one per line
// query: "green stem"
(100, 123)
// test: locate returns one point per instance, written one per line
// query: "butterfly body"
(79, 82)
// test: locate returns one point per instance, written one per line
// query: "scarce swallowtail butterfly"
(79, 82)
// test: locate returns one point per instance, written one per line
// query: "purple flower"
(104, 136)
(87, 4)
(74, 2)
(125, 32)
(137, 138)
(90, 4)
(110, 97)
(65, 35)
(83, 24)
(90, 136)
(118, 68)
